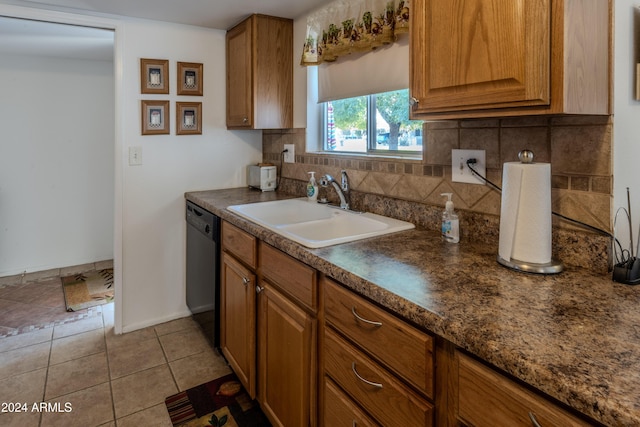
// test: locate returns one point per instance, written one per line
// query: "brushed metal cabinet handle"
(364, 380)
(245, 281)
(534, 422)
(259, 289)
(362, 319)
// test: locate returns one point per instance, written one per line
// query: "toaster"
(262, 177)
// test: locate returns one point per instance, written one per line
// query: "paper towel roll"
(525, 213)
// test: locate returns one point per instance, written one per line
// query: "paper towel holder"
(551, 267)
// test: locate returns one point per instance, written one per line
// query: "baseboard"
(155, 322)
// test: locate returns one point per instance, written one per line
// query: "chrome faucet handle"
(325, 180)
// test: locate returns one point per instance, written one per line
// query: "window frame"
(371, 130)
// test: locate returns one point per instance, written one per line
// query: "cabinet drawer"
(375, 389)
(489, 398)
(296, 279)
(339, 409)
(403, 348)
(240, 243)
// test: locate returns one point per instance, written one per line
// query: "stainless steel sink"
(315, 225)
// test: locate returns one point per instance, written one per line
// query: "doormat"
(88, 289)
(221, 402)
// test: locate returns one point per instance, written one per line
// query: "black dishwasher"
(203, 272)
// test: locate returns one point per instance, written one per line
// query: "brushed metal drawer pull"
(245, 281)
(371, 383)
(362, 319)
(534, 422)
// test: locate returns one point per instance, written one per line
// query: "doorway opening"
(57, 170)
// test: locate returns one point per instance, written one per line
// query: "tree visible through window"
(370, 124)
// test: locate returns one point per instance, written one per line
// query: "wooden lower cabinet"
(286, 357)
(486, 397)
(315, 353)
(237, 329)
(382, 335)
(238, 320)
(379, 370)
(387, 399)
(340, 410)
(287, 339)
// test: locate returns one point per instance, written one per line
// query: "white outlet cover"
(460, 172)
(290, 155)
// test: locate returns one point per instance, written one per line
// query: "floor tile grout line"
(166, 359)
(106, 349)
(46, 377)
(53, 338)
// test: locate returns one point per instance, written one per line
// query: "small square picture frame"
(155, 117)
(189, 78)
(154, 76)
(188, 118)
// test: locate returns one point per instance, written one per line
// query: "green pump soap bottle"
(312, 188)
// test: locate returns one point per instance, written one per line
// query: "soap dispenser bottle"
(450, 224)
(312, 188)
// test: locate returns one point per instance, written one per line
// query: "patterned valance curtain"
(347, 26)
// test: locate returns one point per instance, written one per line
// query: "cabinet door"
(479, 54)
(287, 360)
(239, 76)
(273, 78)
(238, 320)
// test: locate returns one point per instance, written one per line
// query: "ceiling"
(18, 36)
(35, 38)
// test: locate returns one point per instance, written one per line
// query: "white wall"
(626, 136)
(149, 227)
(153, 245)
(56, 162)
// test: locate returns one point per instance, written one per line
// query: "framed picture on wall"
(189, 78)
(155, 117)
(154, 76)
(188, 118)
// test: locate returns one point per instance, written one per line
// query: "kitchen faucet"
(342, 189)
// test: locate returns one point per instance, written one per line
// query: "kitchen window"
(375, 124)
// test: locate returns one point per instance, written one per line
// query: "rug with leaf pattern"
(218, 403)
(88, 289)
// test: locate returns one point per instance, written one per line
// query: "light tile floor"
(35, 300)
(85, 375)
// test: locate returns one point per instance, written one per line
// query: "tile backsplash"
(579, 149)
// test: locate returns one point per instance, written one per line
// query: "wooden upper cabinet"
(492, 58)
(259, 53)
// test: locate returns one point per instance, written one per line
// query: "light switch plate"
(460, 172)
(135, 156)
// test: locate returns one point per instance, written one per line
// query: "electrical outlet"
(290, 155)
(460, 172)
(135, 156)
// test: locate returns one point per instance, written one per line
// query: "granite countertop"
(574, 335)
